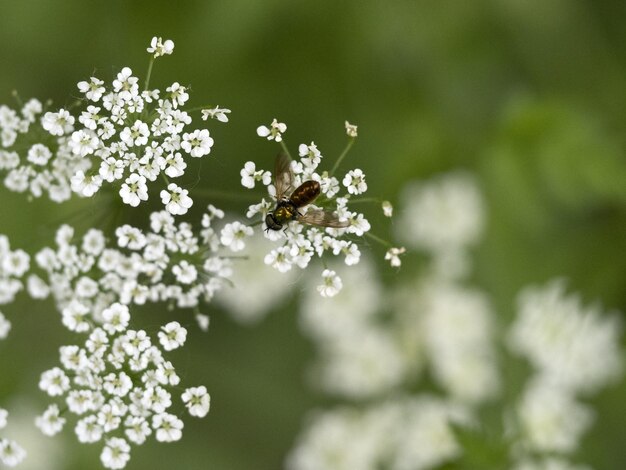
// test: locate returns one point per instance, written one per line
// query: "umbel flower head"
(118, 134)
(306, 210)
(119, 385)
(11, 453)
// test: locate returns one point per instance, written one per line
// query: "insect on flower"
(287, 206)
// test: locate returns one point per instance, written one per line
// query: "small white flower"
(274, 132)
(354, 181)
(332, 284)
(111, 169)
(279, 259)
(137, 429)
(134, 190)
(59, 123)
(351, 129)
(50, 423)
(221, 114)
(178, 94)
(197, 400)
(185, 272)
(115, 454)
(54, 382)
(116, 318)
(11, 454)
(176, 199)
(159, 48)
(172, 336)
(393, 256)
(310, 155)
(250, 175)
(75, 316)
(168, 427)
(83, 143)
(88, 430)
(387, 209)
(136, 135)
(93, 89)
(125, 84)
(234, 234)
(198, 143)
(39, 154)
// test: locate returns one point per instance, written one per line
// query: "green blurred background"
(530, 95)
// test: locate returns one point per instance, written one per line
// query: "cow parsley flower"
(172, 336)
(119, 383)
(160, 48)
(274, 132)
(221, 114)
(351, 129)
(119, 136)
(11, 454)
(574, 346)
(197, 401)
(306, 231)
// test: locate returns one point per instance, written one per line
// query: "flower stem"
(342, 156)
(149, 74)
(285, 149)
(378, 239)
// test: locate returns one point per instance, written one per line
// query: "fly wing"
(323, 218)
(283, 176)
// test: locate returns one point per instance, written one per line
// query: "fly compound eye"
(271, 223)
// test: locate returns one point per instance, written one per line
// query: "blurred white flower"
(441, 214)
(258, 288)
(550, 419)
(573, 346)
(5, 326)
(360, 363)
(351, 129)
(331, 285)
(457, 326)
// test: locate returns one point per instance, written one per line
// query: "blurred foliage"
(529, 95)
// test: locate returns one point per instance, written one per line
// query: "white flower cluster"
(456, 327)
(405, 434)
(573, 346)
(574, 350)
(443, 216)
(13, 265)
(302, 240)
(11, 454)
(123, 136)
(119, 385)
(167, 264)
(369, 349)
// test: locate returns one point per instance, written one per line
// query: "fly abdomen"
(305, 193)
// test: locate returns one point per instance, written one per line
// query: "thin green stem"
(365, 199)
(149, 73)
(378, 239)
(342, 156)
(199, 108)
(285, 149)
